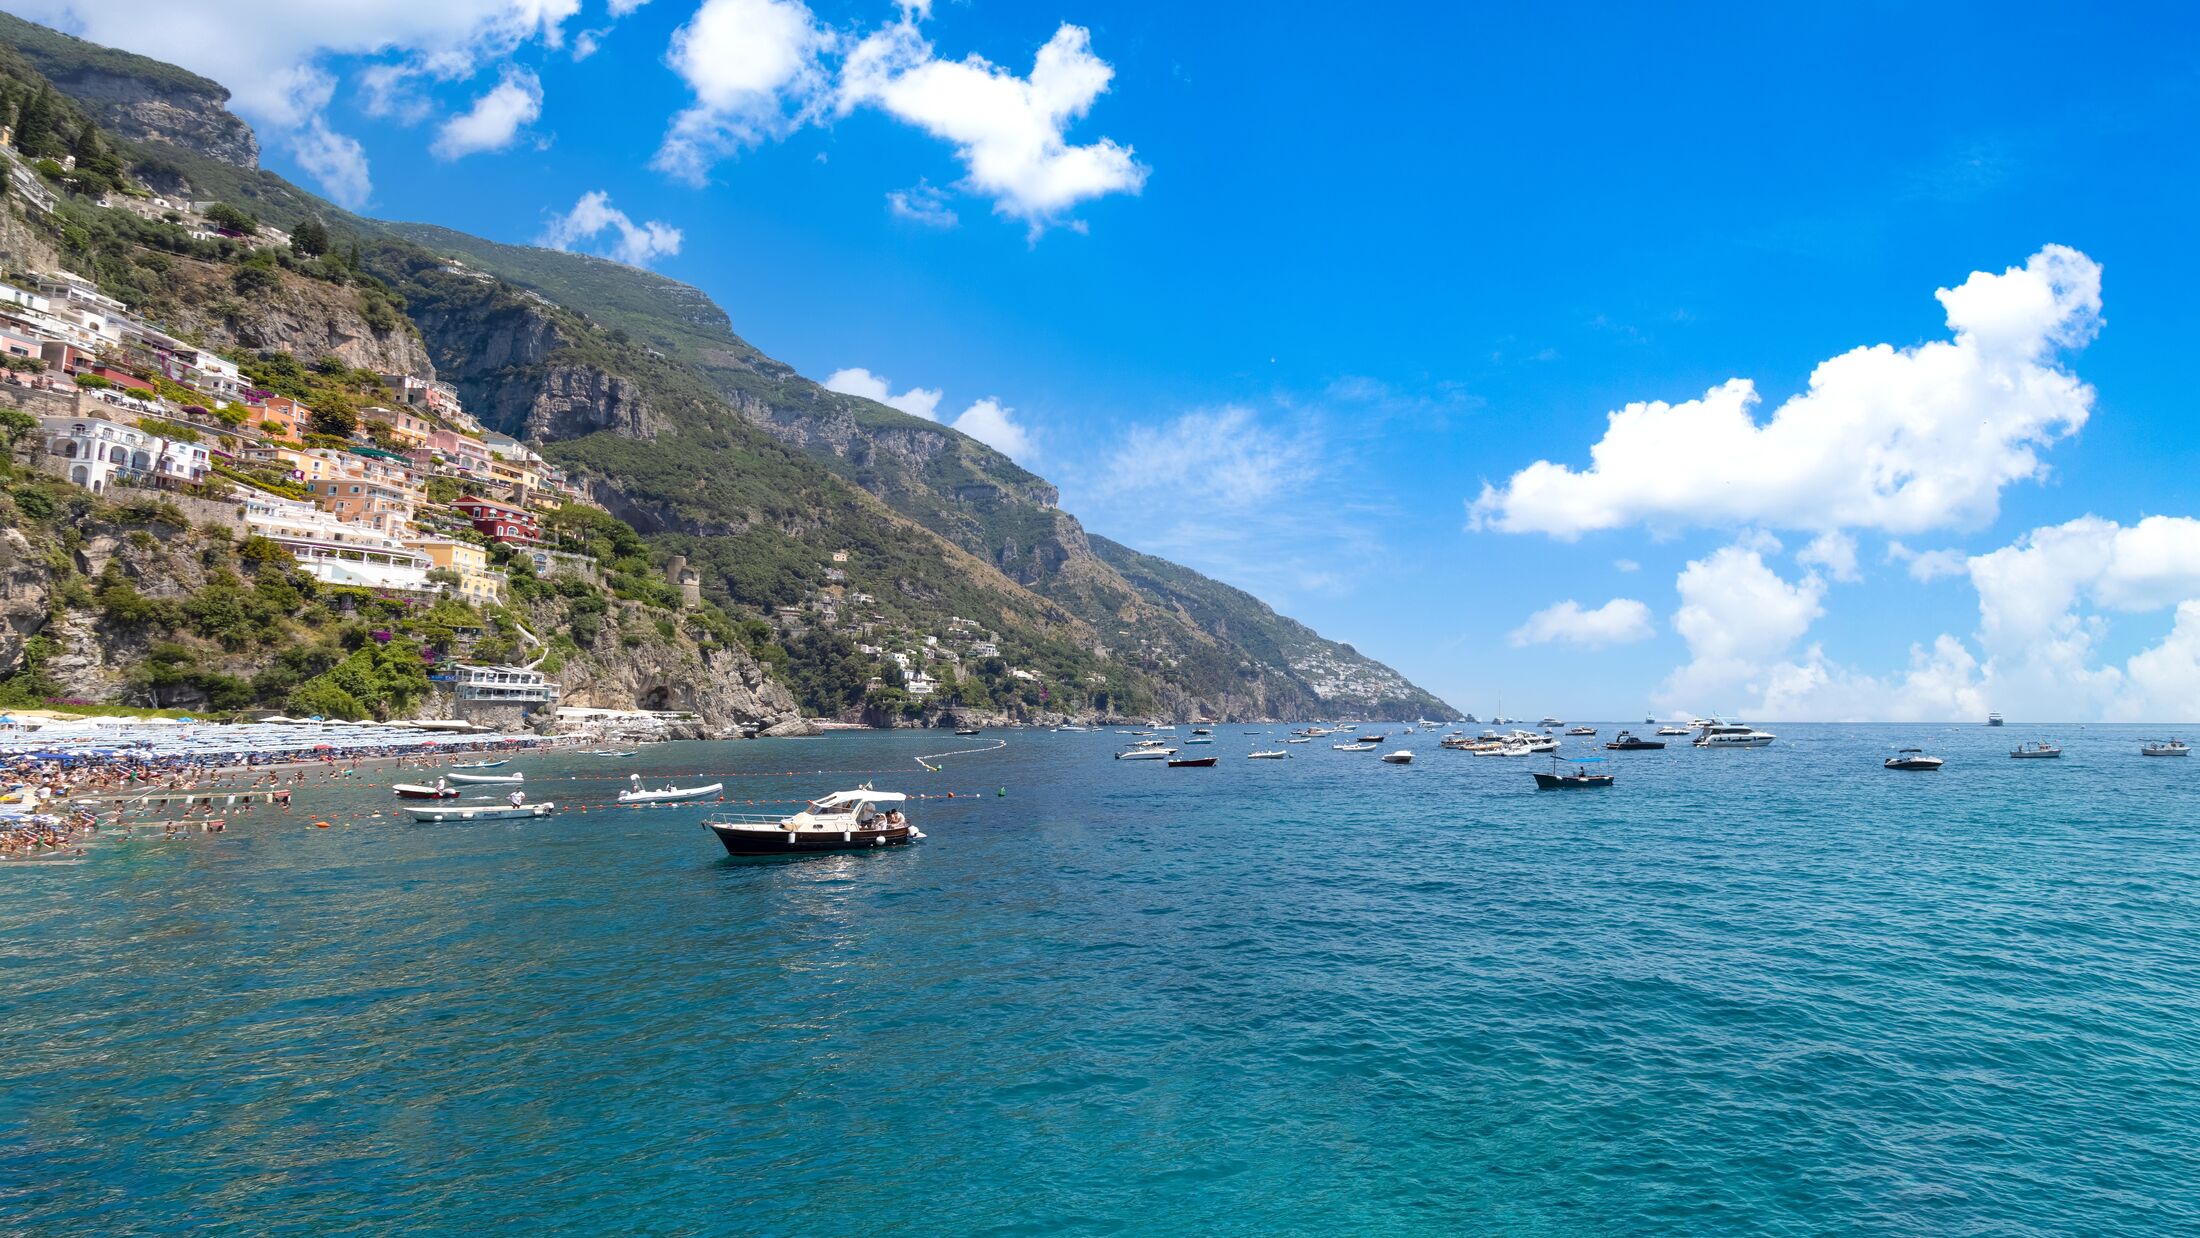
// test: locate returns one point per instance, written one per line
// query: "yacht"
(1733, 735)
(1581, 730)
(1552, 722)
(1146, 750)
(857, 820)
(1993, 719)
(1628, 742)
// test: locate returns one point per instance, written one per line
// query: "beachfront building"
(476, 582)
(99, 455)
(503, 685)
(336, 552)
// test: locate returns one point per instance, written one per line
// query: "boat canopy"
(837, 798)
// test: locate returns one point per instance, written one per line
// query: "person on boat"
(516, 798)
(894, 817)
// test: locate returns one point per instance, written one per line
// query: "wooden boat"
(2035, 750)
(1627, 741)
(842, 821)
(1277, 754)
(1191, 762)
(414, 791)
(1914, 759)
(484, 812)
(499, 779)
(2174, 748)
(1580, 779)
(669, 795)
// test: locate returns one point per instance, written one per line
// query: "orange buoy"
(320, 825)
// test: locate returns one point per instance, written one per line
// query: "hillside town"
(391, 486)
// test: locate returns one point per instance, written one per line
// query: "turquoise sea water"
(1775, 991)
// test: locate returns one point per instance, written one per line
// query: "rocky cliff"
(136, 98)
(308, 317)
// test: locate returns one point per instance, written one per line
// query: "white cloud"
(496, 118)
(1834, 551)
(620, 8)
(1738, 617)
(917, 401)
(632, 243)
(755, 69)
(923, 204)
(336, 163)
(994, 424)
(1225, 456)
(1901, 440)
(1626, 565)
(263, 50)
(1926, 566)
(1620, 621)
(1007, 130)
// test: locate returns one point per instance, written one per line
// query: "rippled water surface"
(1777, 991)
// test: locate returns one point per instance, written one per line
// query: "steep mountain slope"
(758, 475)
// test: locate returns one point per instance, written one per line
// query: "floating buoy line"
(927, 759)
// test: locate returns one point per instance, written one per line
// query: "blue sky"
(1279, 290)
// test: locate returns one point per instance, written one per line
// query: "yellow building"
(476, 582)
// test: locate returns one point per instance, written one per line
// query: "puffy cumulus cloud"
(265, 50)
(594, 216)
(994, 424)
(756, 69)
(1834, 551)
(2044, 607)
(1738, 617)
(496, 118)
(988, 420)
(917, 401)
(1224, 455)
(1896, 439)
(1620, 621)
(1008, 131)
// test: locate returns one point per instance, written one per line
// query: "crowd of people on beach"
(49, 808)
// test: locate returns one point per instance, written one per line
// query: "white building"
(96, 454)
(335, 552)
(504, 685)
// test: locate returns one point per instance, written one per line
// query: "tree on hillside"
(234, 219)
(310, 238)
(334, 413)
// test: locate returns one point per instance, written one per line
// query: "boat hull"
(773, 840)
(487, 812)
(1567, 782)
(1193, 763)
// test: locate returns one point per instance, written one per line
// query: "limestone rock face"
(308, 317)
(147, 111)
(26, 596)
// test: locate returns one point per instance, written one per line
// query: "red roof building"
(501, 522)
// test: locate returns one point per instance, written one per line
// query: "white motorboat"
(1914, 759)
(488, 778)
(484, 812)
(414, 791)
(1275, 755)
(479, 764)
(638, 794)
(1300, 740)
(1400, 757)
(2174, 748)
(1732, 735)
(1353, 747)
(1551, 722)
(1146, 750)
(842, 821)
(1674, 730)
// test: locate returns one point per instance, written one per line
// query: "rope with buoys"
(929, 757)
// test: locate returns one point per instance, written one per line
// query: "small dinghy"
(484, 812)
(414, 791)
(1277, 754)
(480, 764)
(500, 779)
(1914, 759)
(1191, 762)
(637, 794)
(1580, 779)
(627, 753)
